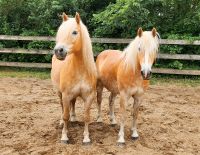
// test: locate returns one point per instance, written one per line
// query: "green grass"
(157, 79)
(24, 73)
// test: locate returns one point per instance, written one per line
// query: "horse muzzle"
(60, 53)
(146, 75)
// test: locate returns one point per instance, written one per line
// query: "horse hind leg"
(72, 112)
(61, 103)
(112, 107)
(99, 100)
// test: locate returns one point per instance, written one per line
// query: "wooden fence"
(100, 40)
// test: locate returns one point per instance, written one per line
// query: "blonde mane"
(147, 43)
(87, 51)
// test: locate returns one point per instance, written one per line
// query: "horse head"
(148, 44)
(68, 38)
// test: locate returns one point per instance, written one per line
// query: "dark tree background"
(174, 19)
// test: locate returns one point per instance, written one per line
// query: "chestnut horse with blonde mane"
(73, 71)
(127, 73)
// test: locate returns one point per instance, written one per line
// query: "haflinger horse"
(127, 74)
(73, 71)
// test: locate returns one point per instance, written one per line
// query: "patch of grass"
(181, 80)
(24, 73)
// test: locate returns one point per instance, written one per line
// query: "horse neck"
(136, 71)
(78, 59)
(131, 62)
(84, 57)
(81, 65)
(131, 70)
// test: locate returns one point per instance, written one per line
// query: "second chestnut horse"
(127, 74)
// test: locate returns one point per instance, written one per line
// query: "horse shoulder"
(125, 77)
(55, 71)
(129, 81)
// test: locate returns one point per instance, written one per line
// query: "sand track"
(169, 122)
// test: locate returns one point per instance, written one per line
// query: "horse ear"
(65, 17)
(154, 32)
(139, 32)
(77, 17)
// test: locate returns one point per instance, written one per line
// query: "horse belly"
(110, 84)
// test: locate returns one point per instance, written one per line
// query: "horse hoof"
(134, 138)
(86, 143)
(99, 120)
(60, 126)
(113, 122)
(120, 144)
(65, 141)
(113, 125)
(73, 119)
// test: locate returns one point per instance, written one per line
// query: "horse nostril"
(58, 50)
(60, 53)
(149, 74)
(61, 50)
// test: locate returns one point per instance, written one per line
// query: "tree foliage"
(112, 18)
(180, 17)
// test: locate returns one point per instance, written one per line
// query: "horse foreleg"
(99, 99)
(61, 103)
(135, 112)
(123, 101)
(88, 101)
(72, 112)
(112, 107)
(66, 115)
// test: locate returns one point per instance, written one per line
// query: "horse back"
(109, 58)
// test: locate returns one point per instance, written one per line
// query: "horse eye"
(139, 47)
(74, 32)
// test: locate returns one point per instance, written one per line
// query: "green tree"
(120, 19)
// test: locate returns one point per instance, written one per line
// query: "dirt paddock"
(169, 122)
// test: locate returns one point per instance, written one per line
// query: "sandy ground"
(169, 122)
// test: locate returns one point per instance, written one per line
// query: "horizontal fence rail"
(25, 64)
(99, 40)
(48, 65)
(160, 55)
(25, 51)
(176, 71)
(27, 38)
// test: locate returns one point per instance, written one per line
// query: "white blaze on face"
(146, 66)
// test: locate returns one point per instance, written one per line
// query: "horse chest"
(135, 91)
(81, 87)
